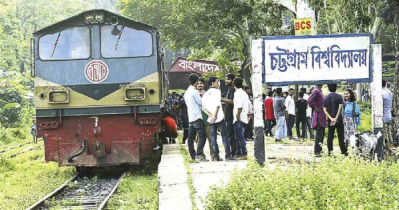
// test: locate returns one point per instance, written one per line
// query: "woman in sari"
(351, 115)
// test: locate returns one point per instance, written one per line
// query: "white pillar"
(256, 78)
(303, 10)
(376, 88)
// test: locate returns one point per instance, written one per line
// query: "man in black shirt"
(332, 108)
(229, 117)
(183, 118)
(249, 134)
(300, 108)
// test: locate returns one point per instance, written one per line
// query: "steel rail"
(56, 191)
(18, 146)
(105, 201)
(25, 151)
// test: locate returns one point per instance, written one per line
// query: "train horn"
(114, 20)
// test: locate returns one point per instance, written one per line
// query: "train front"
(98, 90)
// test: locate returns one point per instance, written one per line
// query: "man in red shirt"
(269, 114)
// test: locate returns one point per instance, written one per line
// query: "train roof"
(59, 23)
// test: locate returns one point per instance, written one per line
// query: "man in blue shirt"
(196, 123)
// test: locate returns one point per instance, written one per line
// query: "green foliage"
(331, 183)
(5, 136)
(18, 20)
(365, 107)
(337, 16)
(6, 165)
(365, 123)
(212, 30)
(10, 100)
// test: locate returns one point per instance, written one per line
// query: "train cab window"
(121, 41)
(67, 44)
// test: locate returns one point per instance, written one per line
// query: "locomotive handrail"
(32, 57)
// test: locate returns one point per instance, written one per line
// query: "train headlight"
(89, 18)
(58, 96)
(135, 92)
(99, 17)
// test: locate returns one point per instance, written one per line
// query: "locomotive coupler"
(80, 151)
(98, 148)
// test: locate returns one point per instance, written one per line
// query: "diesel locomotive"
(99, 90)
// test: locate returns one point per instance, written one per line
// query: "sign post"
(376, 87)
(256, 79)
(300, 60)
(303, 60)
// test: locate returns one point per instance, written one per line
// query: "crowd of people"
(201, 116)
(312, 112)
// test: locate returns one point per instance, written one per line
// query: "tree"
(18, 20)
(222, 30)
(390, 14)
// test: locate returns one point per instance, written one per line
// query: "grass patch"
(137, 190)
(187, 161)
(365, 123)
(27, 178)
(332, 183)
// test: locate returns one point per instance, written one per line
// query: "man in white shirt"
(242, 111)
(196, 123)
(290, 112)
(212, 104)
(308, 115)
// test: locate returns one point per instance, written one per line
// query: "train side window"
(66, 44)
(122, 41)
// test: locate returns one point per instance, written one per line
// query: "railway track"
(81, 193)
(25, 151)
(18, 146)
(15, 147)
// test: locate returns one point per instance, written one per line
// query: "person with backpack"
(351, 115)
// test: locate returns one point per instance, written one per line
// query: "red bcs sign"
(303, 26)
(96, 71)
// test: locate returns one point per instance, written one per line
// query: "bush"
(10, 117)
(5, 136)
(6, 165)
(332, 183)
(365, 123)
(365, 107)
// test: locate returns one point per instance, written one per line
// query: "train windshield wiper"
(56, 42)
(119, 37)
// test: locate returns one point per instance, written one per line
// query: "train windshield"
(66, 44)
(121, 41)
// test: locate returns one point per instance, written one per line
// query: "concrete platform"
(174, 193)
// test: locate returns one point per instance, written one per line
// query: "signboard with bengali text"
(316, 59)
